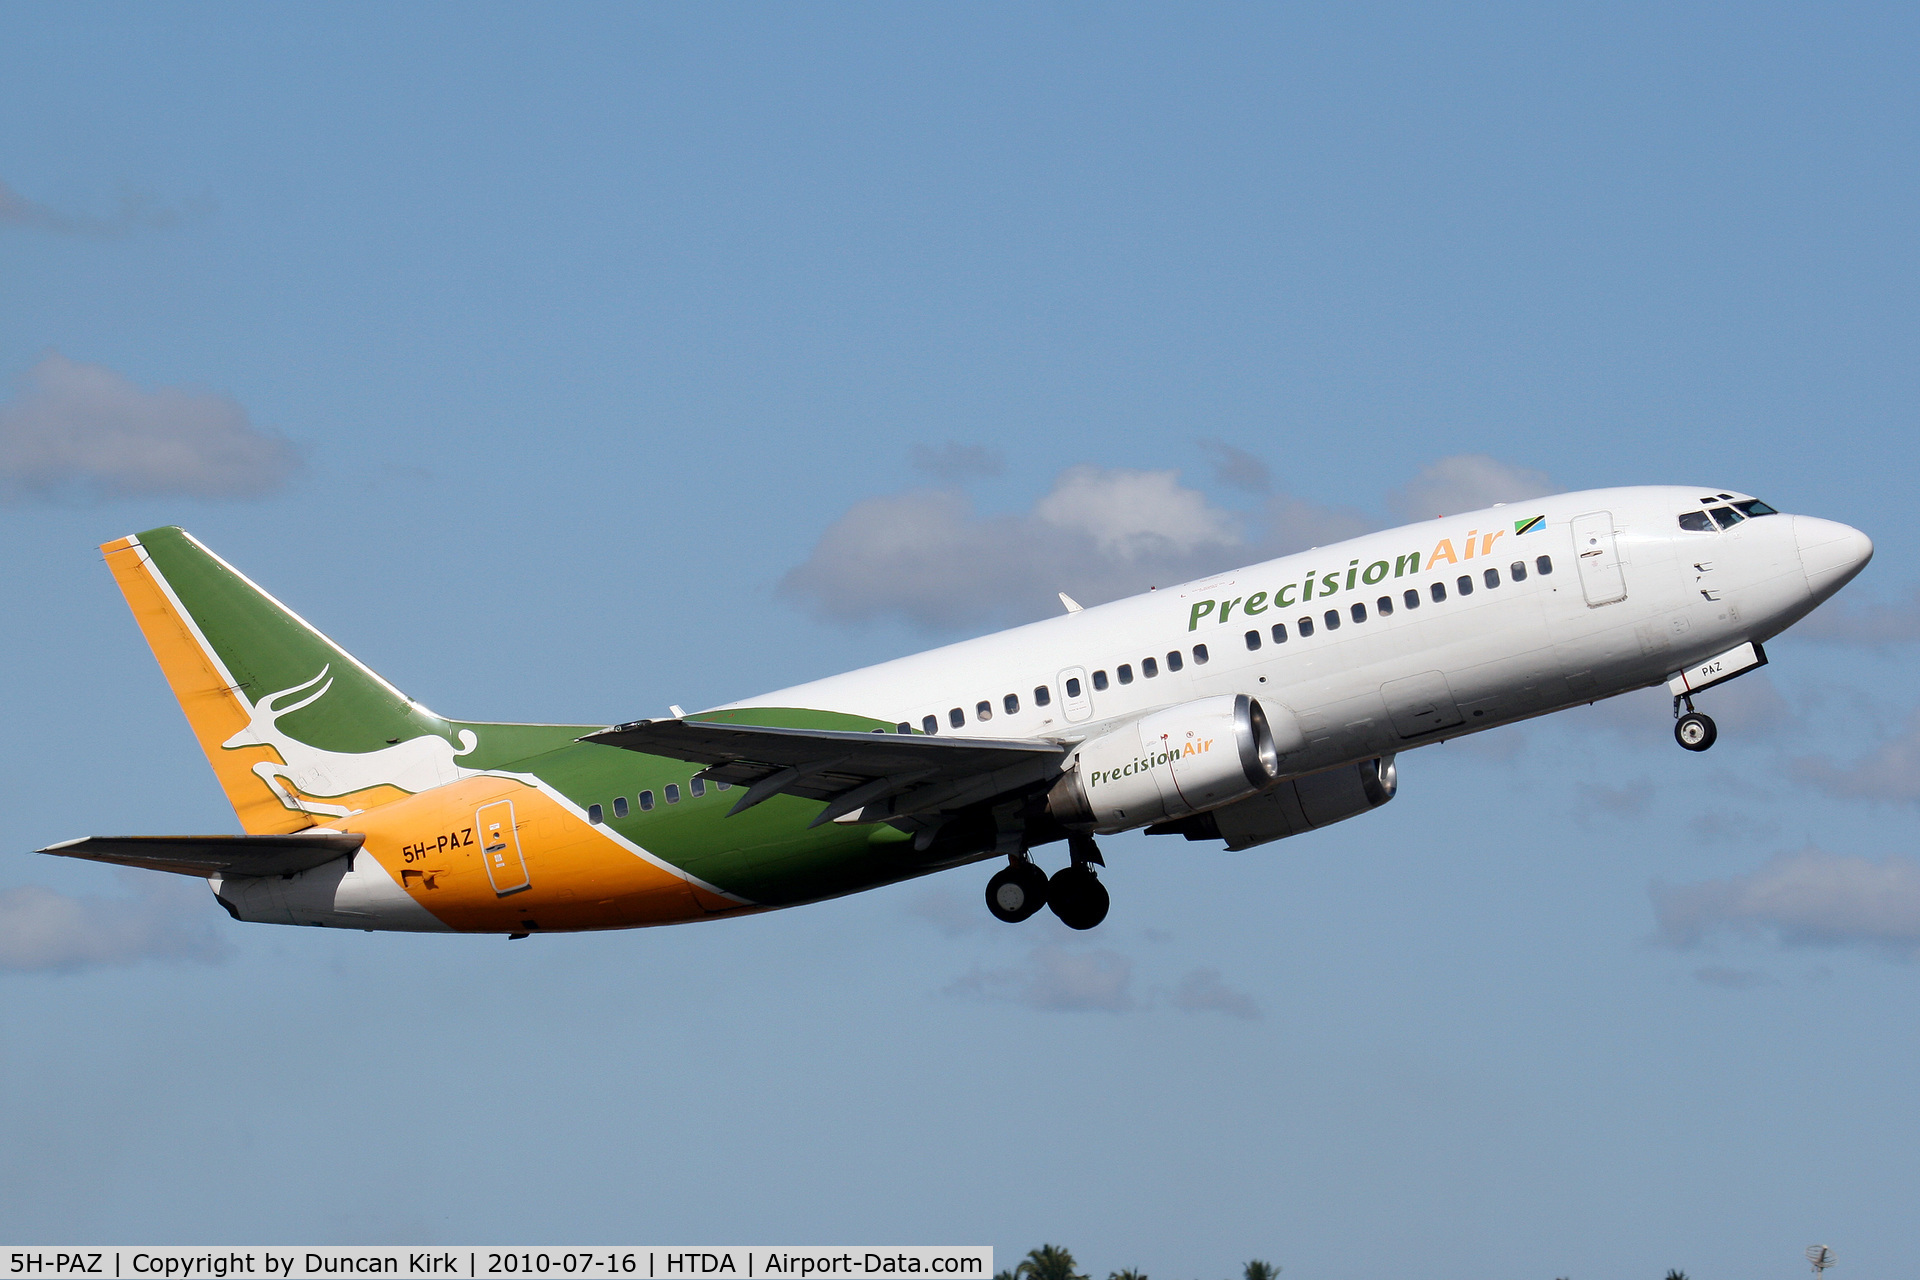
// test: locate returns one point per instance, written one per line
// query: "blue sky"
(652, 324)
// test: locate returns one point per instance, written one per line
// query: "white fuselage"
(1623, 610)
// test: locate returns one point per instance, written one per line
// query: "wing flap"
(835, 765)
(268, 855)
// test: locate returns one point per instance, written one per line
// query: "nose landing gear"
(1694, 731)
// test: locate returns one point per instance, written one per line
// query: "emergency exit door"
(1599, 559)
(500, 848)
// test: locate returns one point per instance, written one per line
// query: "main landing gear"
(1075, 893)
(1017, 891)
(1694, 731)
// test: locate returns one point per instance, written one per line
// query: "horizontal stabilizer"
(215, 855)
(892, 773)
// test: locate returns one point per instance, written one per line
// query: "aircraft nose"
(1830, 552)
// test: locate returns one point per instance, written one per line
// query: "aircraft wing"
(215, 855)
(863, 777)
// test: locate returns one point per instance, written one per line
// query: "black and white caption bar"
(706, 1262)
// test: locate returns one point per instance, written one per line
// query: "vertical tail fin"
(296, 730)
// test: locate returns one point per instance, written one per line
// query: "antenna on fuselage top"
(1073, 606)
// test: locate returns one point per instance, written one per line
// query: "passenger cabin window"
(905, 726)
(1149, 667)
(593, 814)
(1543, 565)
(983, 710)
(1383, 606)
(1727, 517)
(1358, 611)
(1755, 508)
(1199, 655)
(1696, 522)
(1279, 633)
(1011, 704)
(1175, 661)
(619, 806)
(1518, 570)
(1253, 639)
(1464, 584)
(697, 788)
(1125, 672)
(1492, 577)
(957, 717)
(646, 801)
(1042, 696)
(930, 724)
(1411, 598)
(1073, 687)
(673, 793)
(1332, 618)
(1099, 681)
(1306, 627)
(1439, 591)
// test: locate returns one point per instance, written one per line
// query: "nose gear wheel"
(1694, 731)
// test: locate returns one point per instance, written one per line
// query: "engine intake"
(1171, 763)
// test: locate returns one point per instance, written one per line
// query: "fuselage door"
(500, 847)
(1599, 559)
(1076, 700)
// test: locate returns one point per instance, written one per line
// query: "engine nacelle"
(1296, 805)
(1183, 760)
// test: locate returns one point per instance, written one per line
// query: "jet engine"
(1167, 764)
(1291, 807)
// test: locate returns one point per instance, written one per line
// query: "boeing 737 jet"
(1254, 705)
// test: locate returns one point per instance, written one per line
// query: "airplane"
(1246, 707)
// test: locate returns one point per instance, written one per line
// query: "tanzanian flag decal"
(1530, 524)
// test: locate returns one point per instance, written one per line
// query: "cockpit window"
(1696, 522)
(1727, 517)
(1755, 508)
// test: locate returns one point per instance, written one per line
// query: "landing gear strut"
(1075, 892)
(1694, 731)
(1017, 891)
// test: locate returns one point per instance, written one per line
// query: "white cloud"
(1136, 515)
(82, 429)
(1891, 772)
(1294, 524)
(929, 557)
(1203, 991)
(1098, 534)
(953, 462)
(168, 918)
(1809, 898)
(1057, 980)
(948, 913)
(1466, 482)
(134, 210)
(1236, 468)
(1598, 803)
